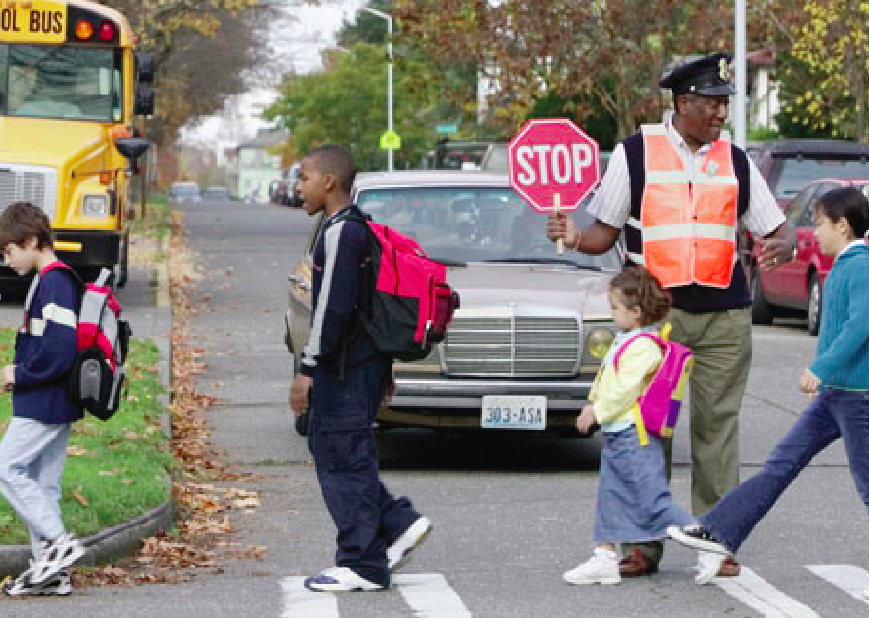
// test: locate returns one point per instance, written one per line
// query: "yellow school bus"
(71, 84)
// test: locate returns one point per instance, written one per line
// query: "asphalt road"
(511, 512)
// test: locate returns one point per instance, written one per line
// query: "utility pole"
(388, 18)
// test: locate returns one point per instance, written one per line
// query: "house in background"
(257, 167)
(762, 101)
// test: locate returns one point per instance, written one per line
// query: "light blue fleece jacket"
(842, 359)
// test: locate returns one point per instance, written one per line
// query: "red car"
(797, 284)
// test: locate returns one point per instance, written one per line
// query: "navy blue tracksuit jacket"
(349, 380)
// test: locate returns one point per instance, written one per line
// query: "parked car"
(291, 177)
(532, 327)
(788, 165)
(184, 191)
(216, 193)
(798, 284)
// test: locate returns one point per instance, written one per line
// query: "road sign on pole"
(554, 165)
(390, 140)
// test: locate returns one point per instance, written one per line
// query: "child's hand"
(809, 383)
(586, 419)
(299, 394)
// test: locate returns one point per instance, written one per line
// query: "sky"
(298, 41)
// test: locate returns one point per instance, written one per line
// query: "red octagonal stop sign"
(553, 164)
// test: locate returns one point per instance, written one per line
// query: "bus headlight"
(598, 342)
(95, 205)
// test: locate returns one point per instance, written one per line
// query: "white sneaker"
(339, 579)
(708, 564)
(398, 554)
(62, 552)
(59, 585)
(601, 568)
(866, 594)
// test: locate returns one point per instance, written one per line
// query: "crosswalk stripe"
(851, 579)
(755, 592)
(299, 602)
(430, 596)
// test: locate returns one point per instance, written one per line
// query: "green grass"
(157, 221)
(119, 467)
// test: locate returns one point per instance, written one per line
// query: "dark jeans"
(831, 415)
(342, 442)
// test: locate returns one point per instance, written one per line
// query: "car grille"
(37, 185)
(514, 346)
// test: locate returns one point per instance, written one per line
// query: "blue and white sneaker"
(58, 585)
(339, 579)
(59, 554)
(398, 554)
(698, 537)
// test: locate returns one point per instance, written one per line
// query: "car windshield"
(216, 192)
(797, 173)
(475, 224)
(185, 190)
(60, 81)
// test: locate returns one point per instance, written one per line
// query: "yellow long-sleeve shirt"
(614, 393)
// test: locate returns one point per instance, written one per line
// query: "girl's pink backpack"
(657, 410)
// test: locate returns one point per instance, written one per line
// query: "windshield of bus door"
(60, 81)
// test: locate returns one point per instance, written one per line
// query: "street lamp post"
(388, 19)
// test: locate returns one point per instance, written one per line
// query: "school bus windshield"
(61, 81)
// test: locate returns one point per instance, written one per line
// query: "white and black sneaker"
(398, 554)
(698, 537)
(61, 553)
(58, 585)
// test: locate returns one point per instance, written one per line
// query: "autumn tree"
(590, 53)
(827, 77)
(345, 103)
(205, 51)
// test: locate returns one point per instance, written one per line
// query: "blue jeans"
(831, 415)
(342, 442)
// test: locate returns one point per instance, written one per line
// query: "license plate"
(513, 412)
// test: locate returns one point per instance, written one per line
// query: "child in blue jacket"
(33, 450)
(838, 380)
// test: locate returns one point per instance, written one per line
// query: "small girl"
(634, 504)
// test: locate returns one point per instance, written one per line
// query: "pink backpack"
(411, 304)
(657, 409)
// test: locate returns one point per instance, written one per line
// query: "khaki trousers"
(721, 343)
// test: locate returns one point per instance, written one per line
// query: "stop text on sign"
(563, 162)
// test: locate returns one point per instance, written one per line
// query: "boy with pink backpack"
(635, 400)
(345, 374)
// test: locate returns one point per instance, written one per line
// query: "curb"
(104, 546)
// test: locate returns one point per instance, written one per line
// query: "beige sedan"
(523, 348)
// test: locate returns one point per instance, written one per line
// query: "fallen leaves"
(76, 493)
(203, 507)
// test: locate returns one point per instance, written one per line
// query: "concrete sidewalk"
(145, 305)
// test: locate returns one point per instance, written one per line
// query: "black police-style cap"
(709, 76)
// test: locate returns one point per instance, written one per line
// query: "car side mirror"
(131, 148)
(145, 68)
(144, 100)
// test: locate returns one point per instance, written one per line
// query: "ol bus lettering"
(46, 22)
(9, 20)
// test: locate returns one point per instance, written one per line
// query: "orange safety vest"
(688, 228)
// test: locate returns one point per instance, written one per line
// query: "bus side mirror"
(145, 67)
(131, 148)
(144, 100)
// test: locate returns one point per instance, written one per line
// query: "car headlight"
(95, 205)
(598, 341)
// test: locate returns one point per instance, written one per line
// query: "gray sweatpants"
(32, 456)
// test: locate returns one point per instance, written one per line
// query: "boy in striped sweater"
(33, 450)
(838, 381)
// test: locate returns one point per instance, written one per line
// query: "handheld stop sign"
(554, 165)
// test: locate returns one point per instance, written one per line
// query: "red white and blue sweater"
(45, 350)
